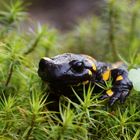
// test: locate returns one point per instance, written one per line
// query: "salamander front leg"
(121, 86)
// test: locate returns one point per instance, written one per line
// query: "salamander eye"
(77, 67)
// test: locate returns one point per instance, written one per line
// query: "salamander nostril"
(42, 64)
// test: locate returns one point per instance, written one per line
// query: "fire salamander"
(73, 70)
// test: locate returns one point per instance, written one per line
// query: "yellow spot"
(109, 92)
(92, 62)
(89, 72)
(119, 78)
(85, 82)
(106, 75)
(94, 67)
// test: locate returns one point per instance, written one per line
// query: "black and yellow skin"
(66, 70)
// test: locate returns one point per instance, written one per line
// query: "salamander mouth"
(70, 82)
(65, 80)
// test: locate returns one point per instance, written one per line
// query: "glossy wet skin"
(68, 69)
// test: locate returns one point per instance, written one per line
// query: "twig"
(9, 74)
(132, 28)
(35, 43)
(112, 33)
(31, 129)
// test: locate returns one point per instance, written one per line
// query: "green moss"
(23, 111)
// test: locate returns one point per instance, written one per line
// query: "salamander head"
(67, 69)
